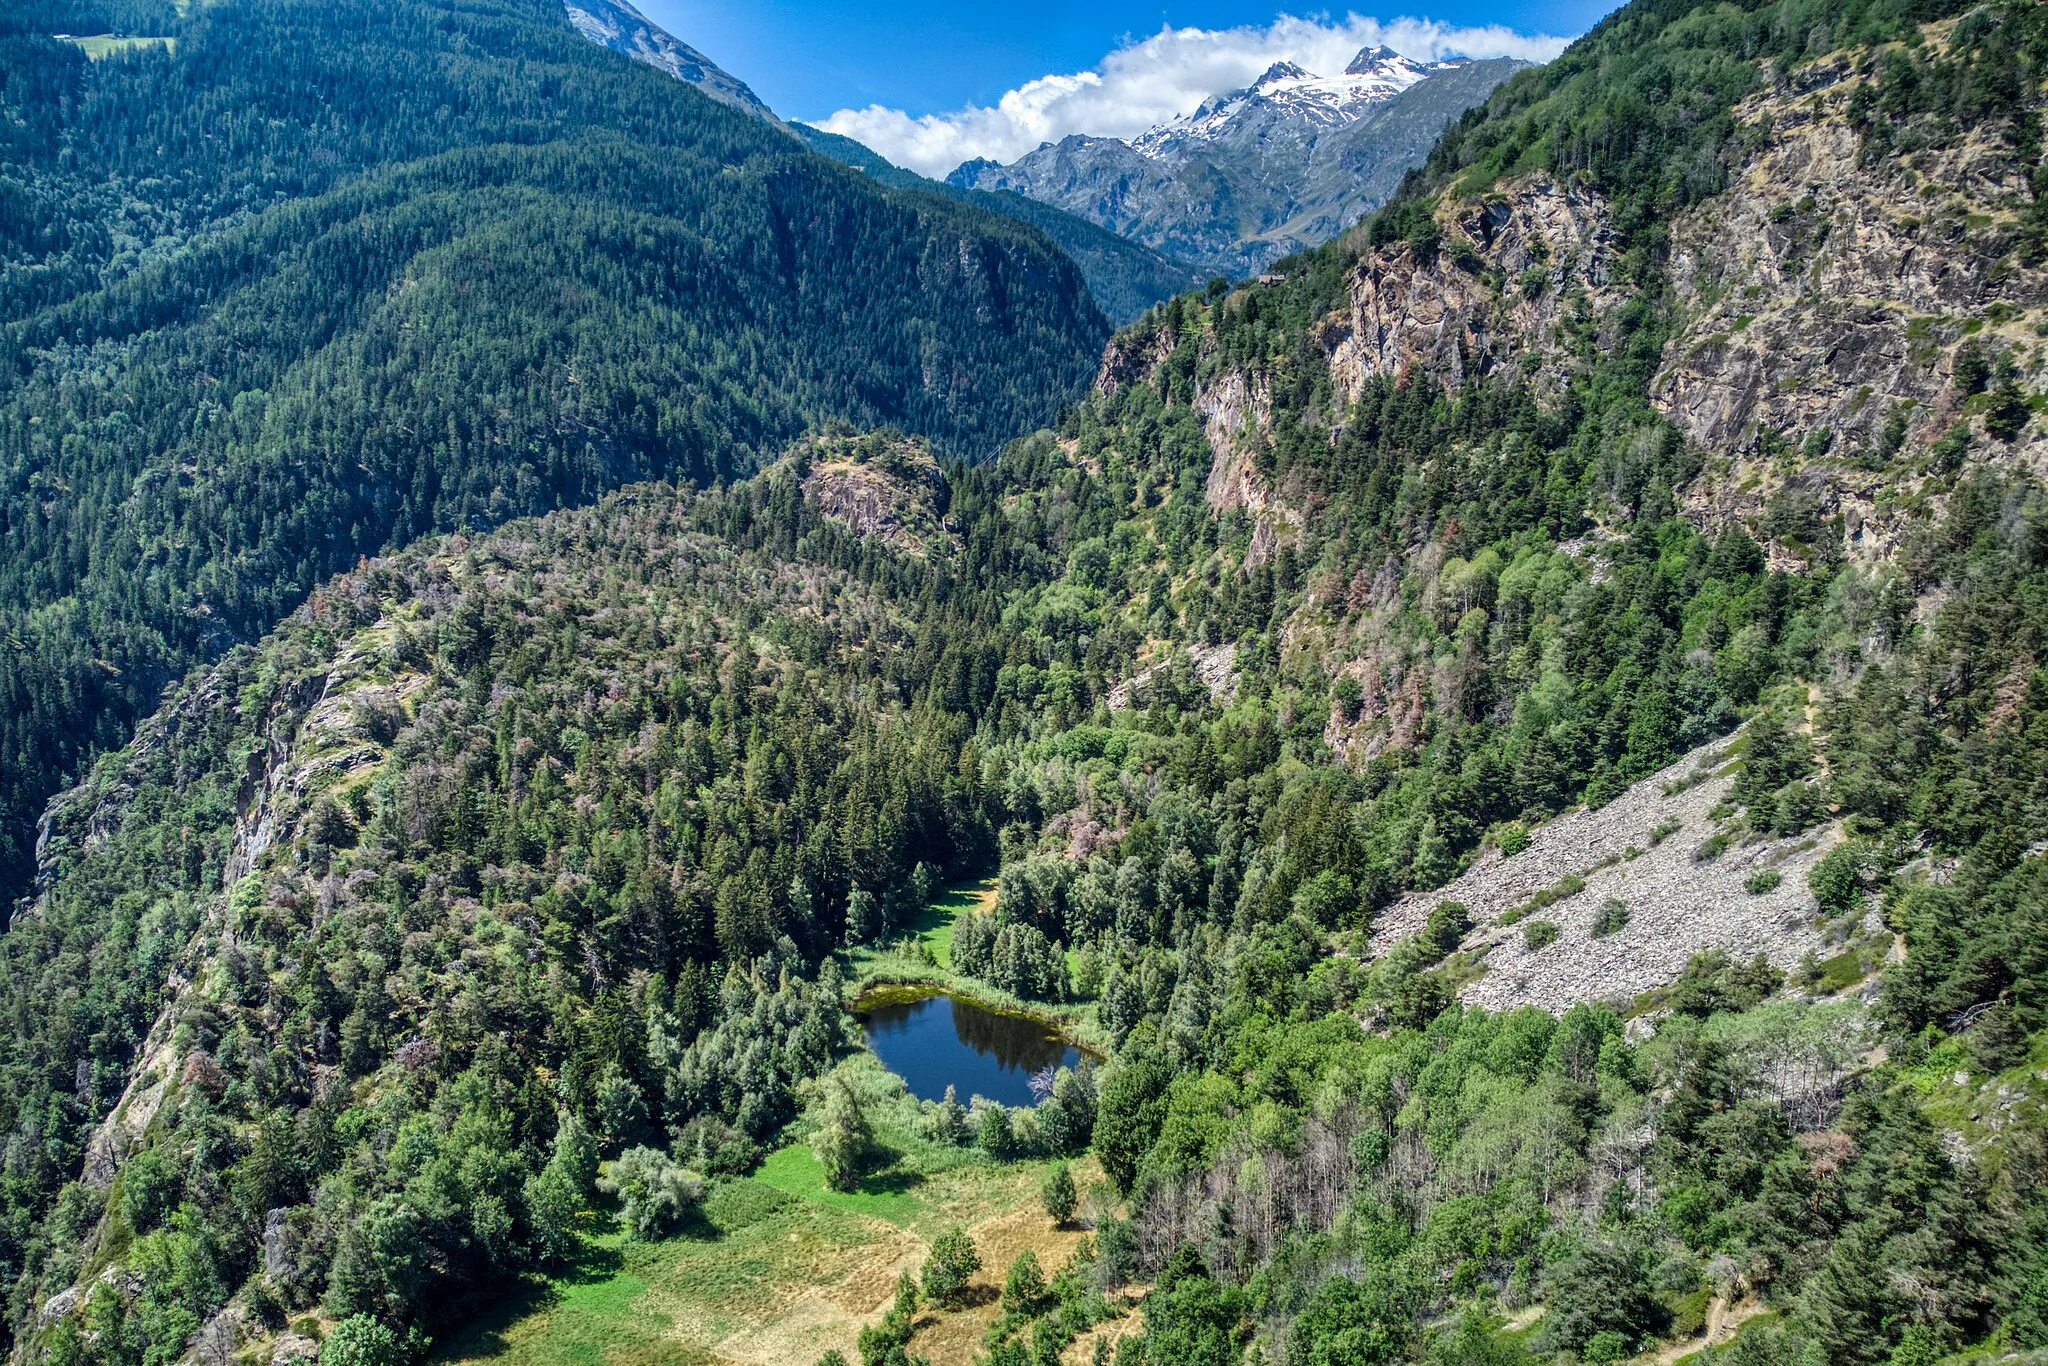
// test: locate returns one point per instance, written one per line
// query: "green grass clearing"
(795, 1171)
(934, 929)
(101, 48)
(777, 1268)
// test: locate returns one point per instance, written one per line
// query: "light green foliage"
(1024, 1294)
(843, 1141)
(884, 1343)
(1367, 1322)
(558, 1194)
(362, 1341)
(654, 1190)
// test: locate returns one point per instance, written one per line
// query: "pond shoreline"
(899, 988)
(937, 1041)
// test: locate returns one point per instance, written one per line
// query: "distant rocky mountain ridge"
(618, 26)
(1259, 173)
(1125, 277)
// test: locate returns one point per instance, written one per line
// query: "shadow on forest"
(483, 1320)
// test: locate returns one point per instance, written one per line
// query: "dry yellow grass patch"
(815, 1321)
(953, 1338)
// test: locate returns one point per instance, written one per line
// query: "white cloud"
(1145, 83)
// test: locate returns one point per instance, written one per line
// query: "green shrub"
(1059, 1195)
(1354, 1321)
(1837, 880)
(1951, 448)
(843, 1142)
(360, 1340)
(1611, 918)
(1445, 929)
(1514, 840)
(1540, 934)
(951, 1266)
(1570, 885)
(1024, 1293)
(1756, 884)
(654, 1191)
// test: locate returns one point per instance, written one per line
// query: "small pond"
(935, 1041)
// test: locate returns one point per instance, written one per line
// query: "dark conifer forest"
(308, 281)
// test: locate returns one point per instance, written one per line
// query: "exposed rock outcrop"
(888, 488)
(1499, 296)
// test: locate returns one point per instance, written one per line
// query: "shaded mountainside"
(1125, 278)
(1257, 175)
(320, 280)
(1444, 620)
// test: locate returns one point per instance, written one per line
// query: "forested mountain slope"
(1125, 277)
(318, 279)
(513, 852)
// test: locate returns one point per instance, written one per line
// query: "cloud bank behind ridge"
(1149, 81)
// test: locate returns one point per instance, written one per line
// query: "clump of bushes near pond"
(1018, 958)
(1058, 1126)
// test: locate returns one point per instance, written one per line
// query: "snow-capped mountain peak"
(617, 25)
(1288, 94)
(1370, 57)
(1280, 73)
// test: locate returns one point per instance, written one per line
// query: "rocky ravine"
(1638, 849)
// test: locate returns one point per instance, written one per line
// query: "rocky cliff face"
(1832, 315)
(888, 488)
(1260, 173)
(1854, 323)
(1519, 275)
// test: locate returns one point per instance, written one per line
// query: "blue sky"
(811, 58)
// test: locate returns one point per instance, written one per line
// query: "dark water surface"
(939, 1041)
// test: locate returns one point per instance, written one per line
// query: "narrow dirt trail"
(1723, 1322)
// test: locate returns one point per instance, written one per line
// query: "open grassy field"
(779, 1269)
(99, 49)
(934, 929)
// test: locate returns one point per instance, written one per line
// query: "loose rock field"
(1676, 907)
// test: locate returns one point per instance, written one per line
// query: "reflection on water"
(940, 1041)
